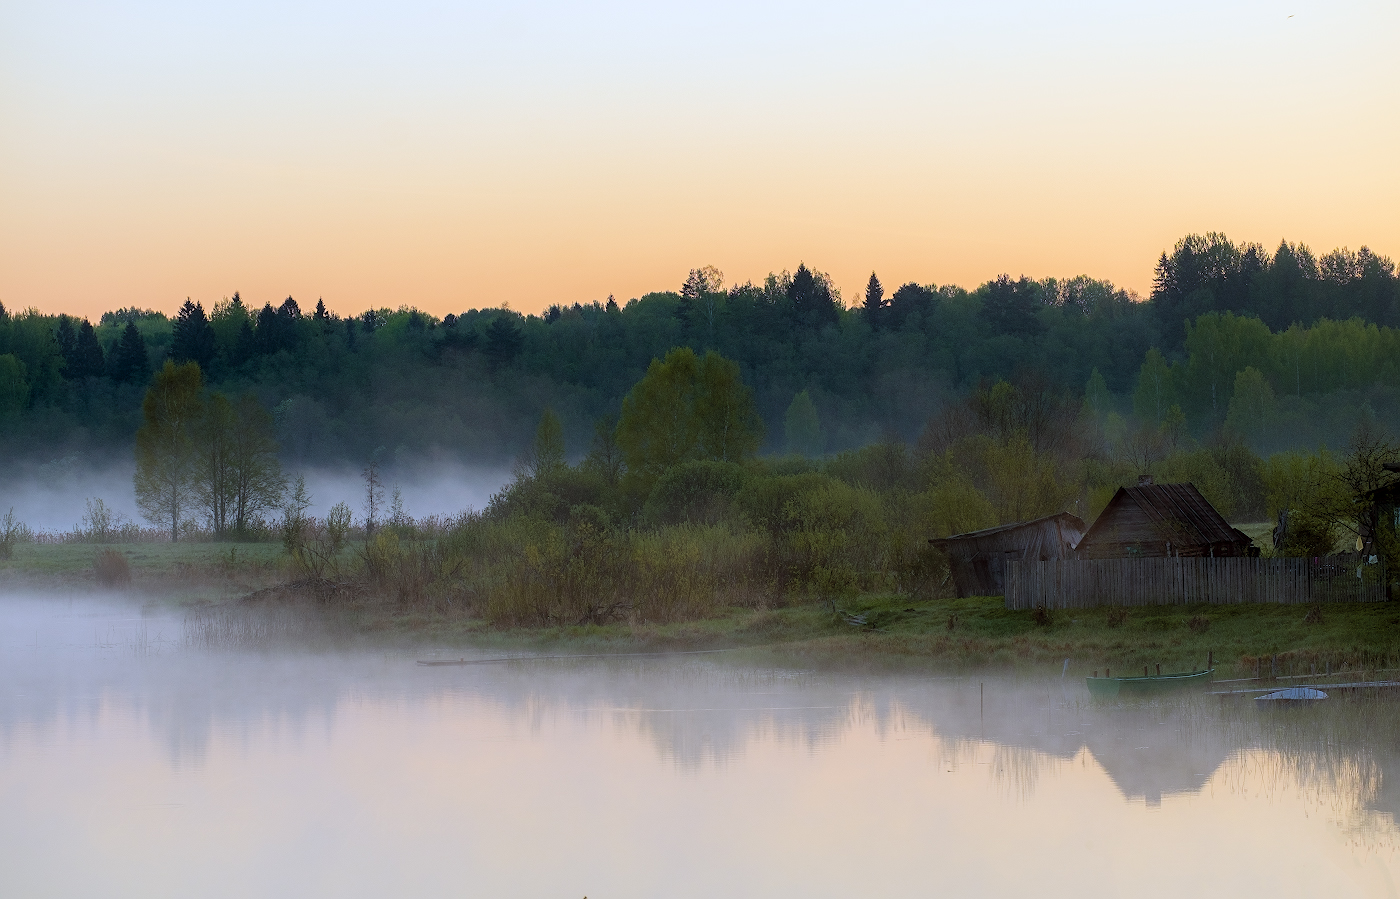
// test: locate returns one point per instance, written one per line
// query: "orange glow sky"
(451, 156)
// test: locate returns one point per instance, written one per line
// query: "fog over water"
(137, 761)
(53, 497)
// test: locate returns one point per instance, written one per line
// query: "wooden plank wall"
(1079, 583)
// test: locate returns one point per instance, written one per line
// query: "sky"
(464, 155)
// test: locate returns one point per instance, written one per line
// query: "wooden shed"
(1162, 520)
(978, 559)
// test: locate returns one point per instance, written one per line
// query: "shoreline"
(857, 633)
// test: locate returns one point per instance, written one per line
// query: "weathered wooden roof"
(1183, 515)
(1073, 520)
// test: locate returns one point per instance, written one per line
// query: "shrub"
(530, 572)
(1117, 617)
(764, 502)
(550, 494)
(111, 569)
(12, 531)
(100, 522)
(697, 492)
(411, 571)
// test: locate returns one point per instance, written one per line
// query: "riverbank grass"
(863, 632)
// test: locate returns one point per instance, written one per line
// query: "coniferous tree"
(129, 363)
(874, 306)
(67, 342)
(88, 361)
(503, 341)
(810, 300)
(192, 338)
(247, 344)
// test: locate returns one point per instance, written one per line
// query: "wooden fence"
(1075, 583)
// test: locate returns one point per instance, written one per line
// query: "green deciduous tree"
(687, 408)
(167, 458)
(1253, 407)
(1153, 395)
(1219, 345)
(239, 476)
(546, 453)
(1097, 399)
(605, 456)
(802, 427)
(14, 387)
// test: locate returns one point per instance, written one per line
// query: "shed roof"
(1179, 509)
(1007, 528)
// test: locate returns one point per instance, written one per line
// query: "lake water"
(135, 763)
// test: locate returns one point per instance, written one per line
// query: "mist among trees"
(1285, 349)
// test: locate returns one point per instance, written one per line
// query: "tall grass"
(227, 628)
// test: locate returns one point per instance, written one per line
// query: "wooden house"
(978, 559)
(1162, 520)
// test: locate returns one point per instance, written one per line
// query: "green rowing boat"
(1115, 687)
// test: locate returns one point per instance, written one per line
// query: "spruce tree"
(874, 306)
(87, 361)
(192, 339)
(129, 363)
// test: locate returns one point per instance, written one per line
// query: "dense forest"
(1282, 349)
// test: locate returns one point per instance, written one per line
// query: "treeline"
(1315, 331)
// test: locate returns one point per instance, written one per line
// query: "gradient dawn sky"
(459, 155)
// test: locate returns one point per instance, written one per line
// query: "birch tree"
(167, 460)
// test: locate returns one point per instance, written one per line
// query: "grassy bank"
(893, 633)
(171, 571)
(866, 632)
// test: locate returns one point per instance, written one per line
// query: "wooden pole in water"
(1210, 660)
(1159, 669)
(1144, 671)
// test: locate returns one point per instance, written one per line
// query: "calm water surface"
(135, 763)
